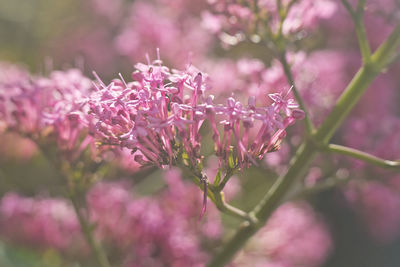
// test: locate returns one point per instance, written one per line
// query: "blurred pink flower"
(378, 205)
(150, 27)
(163, 223)
(293, 236)
(112, 10)
(235, 17)
(161, 229)
(43, 222)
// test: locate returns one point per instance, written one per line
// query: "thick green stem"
(309, 148)
(357, 154)
(270, 201)
(346, 102)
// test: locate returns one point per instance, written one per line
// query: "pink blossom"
(155, 115)
(110, 10)
(380, 17)
(378, 205)
(150, 27)
(161, 223)
(161, 229)
(237, 17)
(43, 222)
(294, 236)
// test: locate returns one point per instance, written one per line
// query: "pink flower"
(162, 26)
(239, 17)
(43, 222)
(142, 226)
(294, 236)
(161, 229)
(51, 111)
(378, 205)
(161, 111)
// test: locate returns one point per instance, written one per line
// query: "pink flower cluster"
(377, 204)
(43, 222)
(380, 17)
(48, 108)
(165, 26)
(294, 236)
(376, 201)
(144, 231)
(320, 77)
(155, 116)
(152, 231)
(237, 17)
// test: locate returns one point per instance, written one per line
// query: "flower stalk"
(87, 231)
(86, 228)
(309, 148)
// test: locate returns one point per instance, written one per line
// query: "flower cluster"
(244, 17)
(44, 222)
(160, 113)
(150, 26)
(152, 231)
(294, 236)
(52, 108)
(142, 230)
(377, 204)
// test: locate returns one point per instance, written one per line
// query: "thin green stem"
(216, 196)
(308, 150)
(280, 44)
(384, 54)
(329, 183)
(366, 157)
(349, 8)
(289, 76)
(361, 33)
(88, 233)
(228, 209)
(96, 248)
(227, 176)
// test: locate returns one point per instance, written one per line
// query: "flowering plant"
(124, 149)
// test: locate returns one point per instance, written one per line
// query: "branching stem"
(366, 157)
(308, 150)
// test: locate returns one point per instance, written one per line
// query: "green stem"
(96, 248)
(371, 159)
(227, 176)
(288, 73)
(280, 43)
(228, 209)
(308, 149)
(329, 183)
(216, 196)
(263, 210)
(361, 33)
(87, 232)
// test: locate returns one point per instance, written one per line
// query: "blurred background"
(356, 224)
